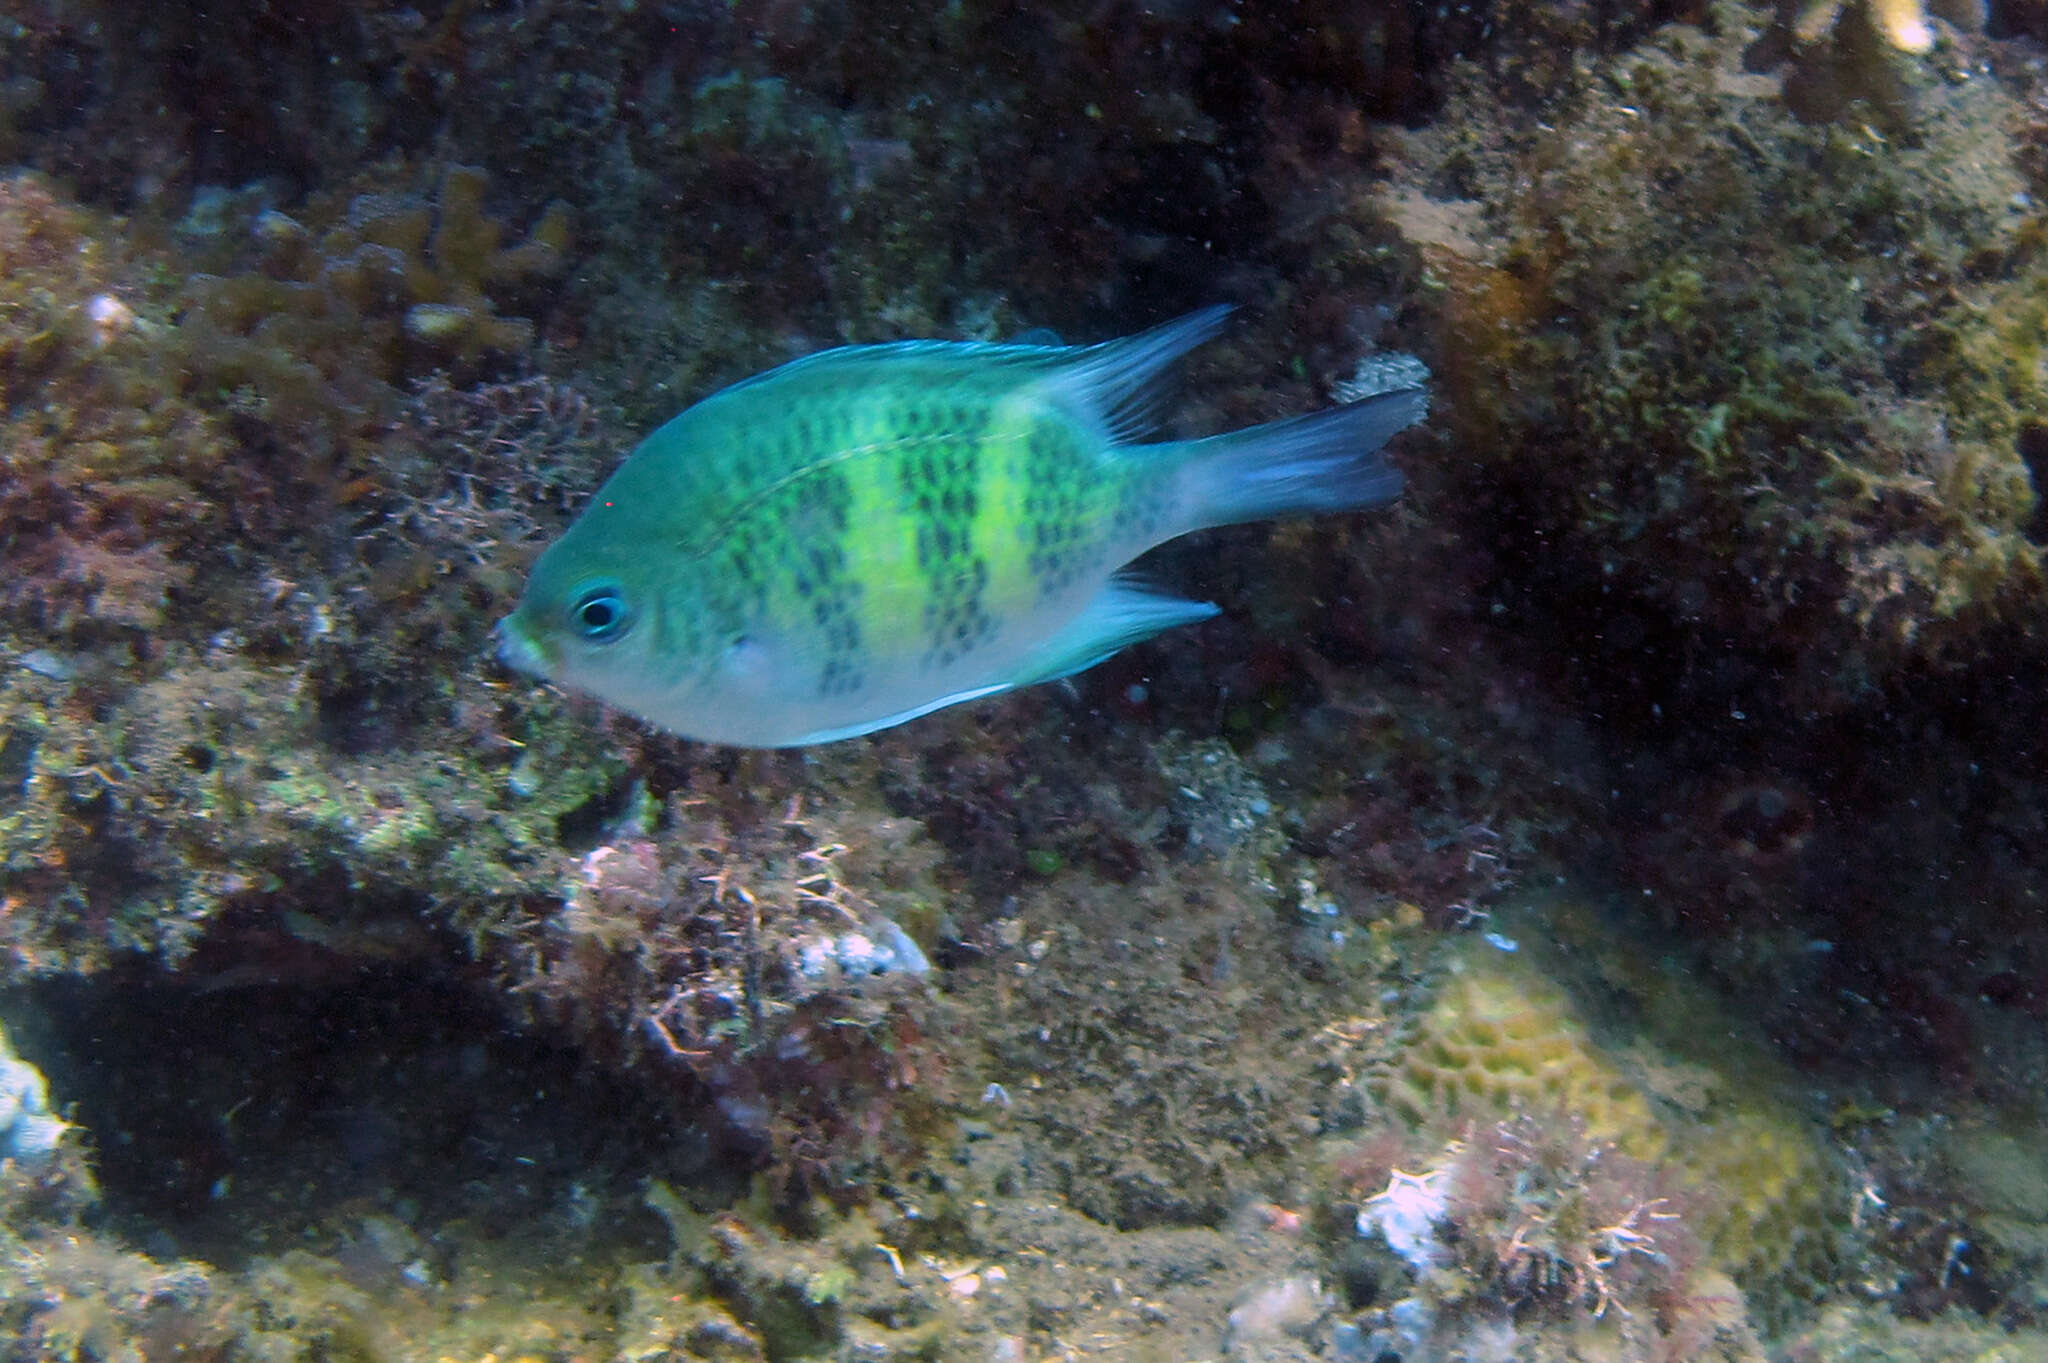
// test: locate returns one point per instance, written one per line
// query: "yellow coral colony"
(1503, 1038)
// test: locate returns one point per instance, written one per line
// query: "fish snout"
(517, 650)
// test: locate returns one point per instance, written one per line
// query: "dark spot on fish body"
(837, 616)
(748, 587)
(1138, 509)
(840, 677)
(801, 557)
(939, 487)
(1052, 560)
(936, 478)
(824, 561)
(819, 427)
(1055, 506)
(956, 621)
(937, 544)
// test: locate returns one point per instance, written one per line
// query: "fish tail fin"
(1303, 466)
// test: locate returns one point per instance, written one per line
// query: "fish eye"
(600, 613)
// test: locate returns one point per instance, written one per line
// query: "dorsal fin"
(1128, 383)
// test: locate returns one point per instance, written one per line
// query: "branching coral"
(1550, 1216)
(312, 323)
(1902, 22)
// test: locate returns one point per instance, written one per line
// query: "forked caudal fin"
(1303, 466)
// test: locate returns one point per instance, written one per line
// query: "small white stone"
(109, 317)
(815, 960)
(859, 956)
(439, 322)
(1289, 1306)
(907, 957)
(273, 226)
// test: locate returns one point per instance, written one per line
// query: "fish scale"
(872, 533)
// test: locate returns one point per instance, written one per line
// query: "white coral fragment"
(1405, 1215)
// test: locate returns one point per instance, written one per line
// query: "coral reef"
(110, 475)
(1836, 489)
(1531, 1221)
(222, 753)
(1498, 1040)
(741, 936)
(1518, 1074)
(411, 1012)
(1751, 371)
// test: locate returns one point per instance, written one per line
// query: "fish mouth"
(518, 651)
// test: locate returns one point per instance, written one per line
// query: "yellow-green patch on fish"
(872, 533)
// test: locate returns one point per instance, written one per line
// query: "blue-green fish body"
(872, 533)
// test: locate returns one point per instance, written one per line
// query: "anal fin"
(1124, 612)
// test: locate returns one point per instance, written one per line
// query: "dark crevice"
(230, 1118)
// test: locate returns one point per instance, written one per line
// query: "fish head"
(617, 625)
